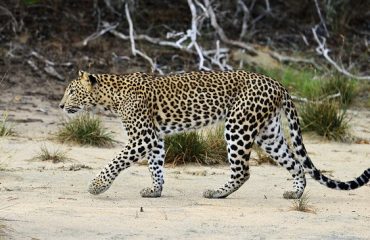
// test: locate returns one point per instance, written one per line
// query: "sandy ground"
(43, 200)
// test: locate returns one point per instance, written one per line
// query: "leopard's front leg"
(136, 149)
(105, 178)
(136, 118)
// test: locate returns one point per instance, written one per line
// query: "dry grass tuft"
(85, 129)
(6, 129)
(326, 119)
(55, 156)
(207, 148)
(302, 204)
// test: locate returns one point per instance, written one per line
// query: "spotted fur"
(153, 106)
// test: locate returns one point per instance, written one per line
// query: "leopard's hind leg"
(271, 139)
(240, 131)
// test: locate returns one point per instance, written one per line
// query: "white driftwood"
(322, 50)
(221, 33)
(305, 100)
(97, 34)
(132, 41)
(193, 34)
(322, 21)
(283, 58)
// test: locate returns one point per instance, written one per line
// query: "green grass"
(6, 129)
(326, 119)
(216, 151)
(346, 87)
(85, 130)
(302, 83)
(309, 84)
(194, 147)
(206, 148)
(55, 156)
(184, 148)
(321, 115)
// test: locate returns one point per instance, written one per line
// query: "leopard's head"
(79, 94)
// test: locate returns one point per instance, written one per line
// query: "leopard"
(152, 106)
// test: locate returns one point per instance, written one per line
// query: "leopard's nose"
(61, 106)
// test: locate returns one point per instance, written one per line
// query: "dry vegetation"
(85, 129)
(6, 128)
(59, 37)
(302, 204)
(326, 119)
(208, 147)
(54, 156)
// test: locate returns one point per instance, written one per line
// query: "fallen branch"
(221, 33)
(246, 15)
(52, 72)
(322, 50)
(219, 57)
(305, 100)
(49, 65)
(47, 61)
(322, 21)
(283, 58)
(34, 67)
(193, 34)
(10, 14)
(97, 34)
(132, 41)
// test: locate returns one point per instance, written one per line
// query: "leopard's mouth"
(72, 110)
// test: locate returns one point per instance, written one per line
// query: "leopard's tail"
(301, 153)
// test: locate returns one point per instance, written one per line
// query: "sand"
(45, 200)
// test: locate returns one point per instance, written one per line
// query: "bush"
(185, 148)
(346, 87)
(85, 130)
(6, 129)
(208, 148)
(216, 148)
(326, 119)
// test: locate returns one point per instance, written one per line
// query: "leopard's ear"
(80, 73)
(87, 80)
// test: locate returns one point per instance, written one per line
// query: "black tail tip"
(367, 173)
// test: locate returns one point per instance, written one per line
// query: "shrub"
(346, 87)
(85, 130)
(6, 129)
(185, 148)
(55, 156)
(216, 150)
(207, 148)
(326, 119)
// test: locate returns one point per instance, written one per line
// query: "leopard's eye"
(71, 91)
